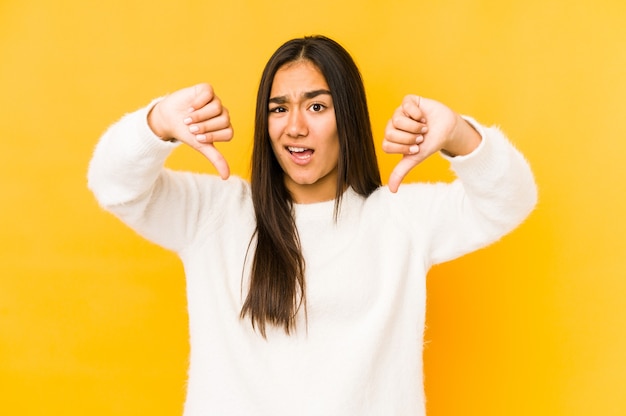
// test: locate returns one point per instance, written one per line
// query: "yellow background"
(93, 318)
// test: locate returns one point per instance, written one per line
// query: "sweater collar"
(327, 208)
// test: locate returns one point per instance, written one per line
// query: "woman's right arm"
(126, 172)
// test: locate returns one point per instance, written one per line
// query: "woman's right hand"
(194, 116)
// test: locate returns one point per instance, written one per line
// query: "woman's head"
(357, 165)
(303, 132)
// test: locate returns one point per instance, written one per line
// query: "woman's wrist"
(463, 140)
(154, 122)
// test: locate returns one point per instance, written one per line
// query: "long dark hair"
(277, 284)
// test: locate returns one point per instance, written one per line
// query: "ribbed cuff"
(147, 142)
(489, 160)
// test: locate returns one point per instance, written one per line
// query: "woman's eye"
(317, 107)
(277, 110)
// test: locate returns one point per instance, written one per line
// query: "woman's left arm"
(495, 191)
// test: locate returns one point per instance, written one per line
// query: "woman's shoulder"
(408, 193)
(215, 188)
(412, 202)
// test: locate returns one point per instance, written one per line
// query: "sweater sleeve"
(127, 176)
(494, 193)
(127, 160)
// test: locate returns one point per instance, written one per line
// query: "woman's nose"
(296, 125)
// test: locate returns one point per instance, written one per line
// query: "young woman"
(306, 286)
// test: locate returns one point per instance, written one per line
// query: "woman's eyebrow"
(315, 93)
(307, 95)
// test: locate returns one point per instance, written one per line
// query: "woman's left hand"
(421, 127)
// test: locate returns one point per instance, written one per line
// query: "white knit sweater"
(360, 352)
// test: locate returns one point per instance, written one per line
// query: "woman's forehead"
(298, 79)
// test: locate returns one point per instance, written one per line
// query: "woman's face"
(303, 131)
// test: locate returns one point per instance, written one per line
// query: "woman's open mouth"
(300, 154)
